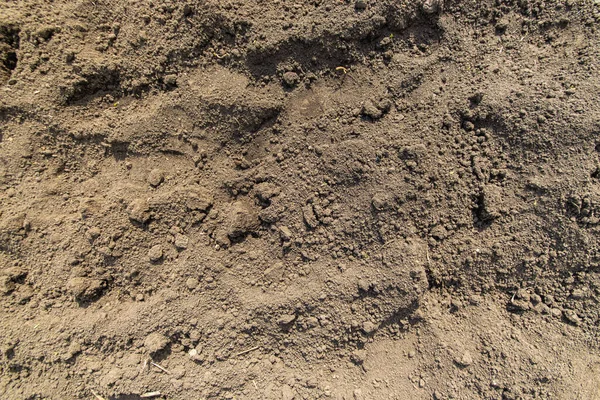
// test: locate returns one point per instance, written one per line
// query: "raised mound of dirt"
(299, 200)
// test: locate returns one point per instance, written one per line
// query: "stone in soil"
(155, 253)
(181, 241)
(243, 219)
(465, 360)
(572, 317)
(285, 233)
(155, 177)
(368, 327)
(139, 211)
(191, 283)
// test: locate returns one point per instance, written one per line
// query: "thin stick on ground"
(97, 396)
(161, 368)
(145, 365)
(247, 351)
(150, 394)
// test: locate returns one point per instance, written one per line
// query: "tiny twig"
(97, 396)
(247, 351)
(254, 383)
(144, 366)
(150, 394)
(161, 368)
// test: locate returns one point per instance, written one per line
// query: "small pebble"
(285, 233)
(465, 360)
(181, 241)
(139, 211)
(572, 317)
(155, 253)
(369, 327)
(191, 283)
(155, 177)
(556, 312)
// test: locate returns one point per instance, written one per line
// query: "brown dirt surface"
(345, 199)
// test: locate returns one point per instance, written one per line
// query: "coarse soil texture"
(316, 199)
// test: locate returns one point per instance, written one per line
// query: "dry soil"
(345, 199)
